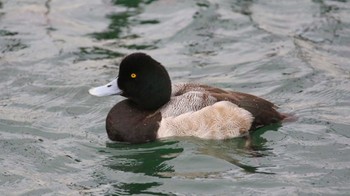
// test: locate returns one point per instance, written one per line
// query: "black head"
(144, 81)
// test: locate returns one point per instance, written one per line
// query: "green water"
(293, 53)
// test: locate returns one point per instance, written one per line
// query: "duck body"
(156, 109)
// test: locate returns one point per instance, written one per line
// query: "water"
(294, 53)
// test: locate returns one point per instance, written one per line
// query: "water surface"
(293, 53)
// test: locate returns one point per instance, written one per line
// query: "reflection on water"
(131, 4)
(148, 159)
(96, 53)
(145, 159)
(119, 28)
(120, 22)
(137, 188)
(253, 147)
(8, 43)
(155, 160)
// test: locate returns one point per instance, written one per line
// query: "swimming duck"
(154, 108)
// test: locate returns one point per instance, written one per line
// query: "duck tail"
(288, 117)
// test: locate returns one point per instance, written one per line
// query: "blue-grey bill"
(107, 89)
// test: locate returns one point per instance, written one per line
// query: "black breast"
(126, 123)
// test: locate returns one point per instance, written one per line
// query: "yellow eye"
(133, 75)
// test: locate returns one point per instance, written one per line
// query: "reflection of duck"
(165, 159)
(230, 150)
(148, 159)
(155, 109)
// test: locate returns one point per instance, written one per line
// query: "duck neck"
(154, 95)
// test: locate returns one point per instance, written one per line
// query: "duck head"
(141, 79)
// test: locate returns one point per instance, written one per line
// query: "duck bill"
(107, 89)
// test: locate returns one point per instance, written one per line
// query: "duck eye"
(133, 75)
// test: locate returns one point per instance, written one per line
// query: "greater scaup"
(156, 109)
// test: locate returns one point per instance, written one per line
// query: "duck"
(154, 108)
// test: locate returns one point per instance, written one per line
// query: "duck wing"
(264, 112)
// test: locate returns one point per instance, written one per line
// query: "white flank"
(222, 120)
